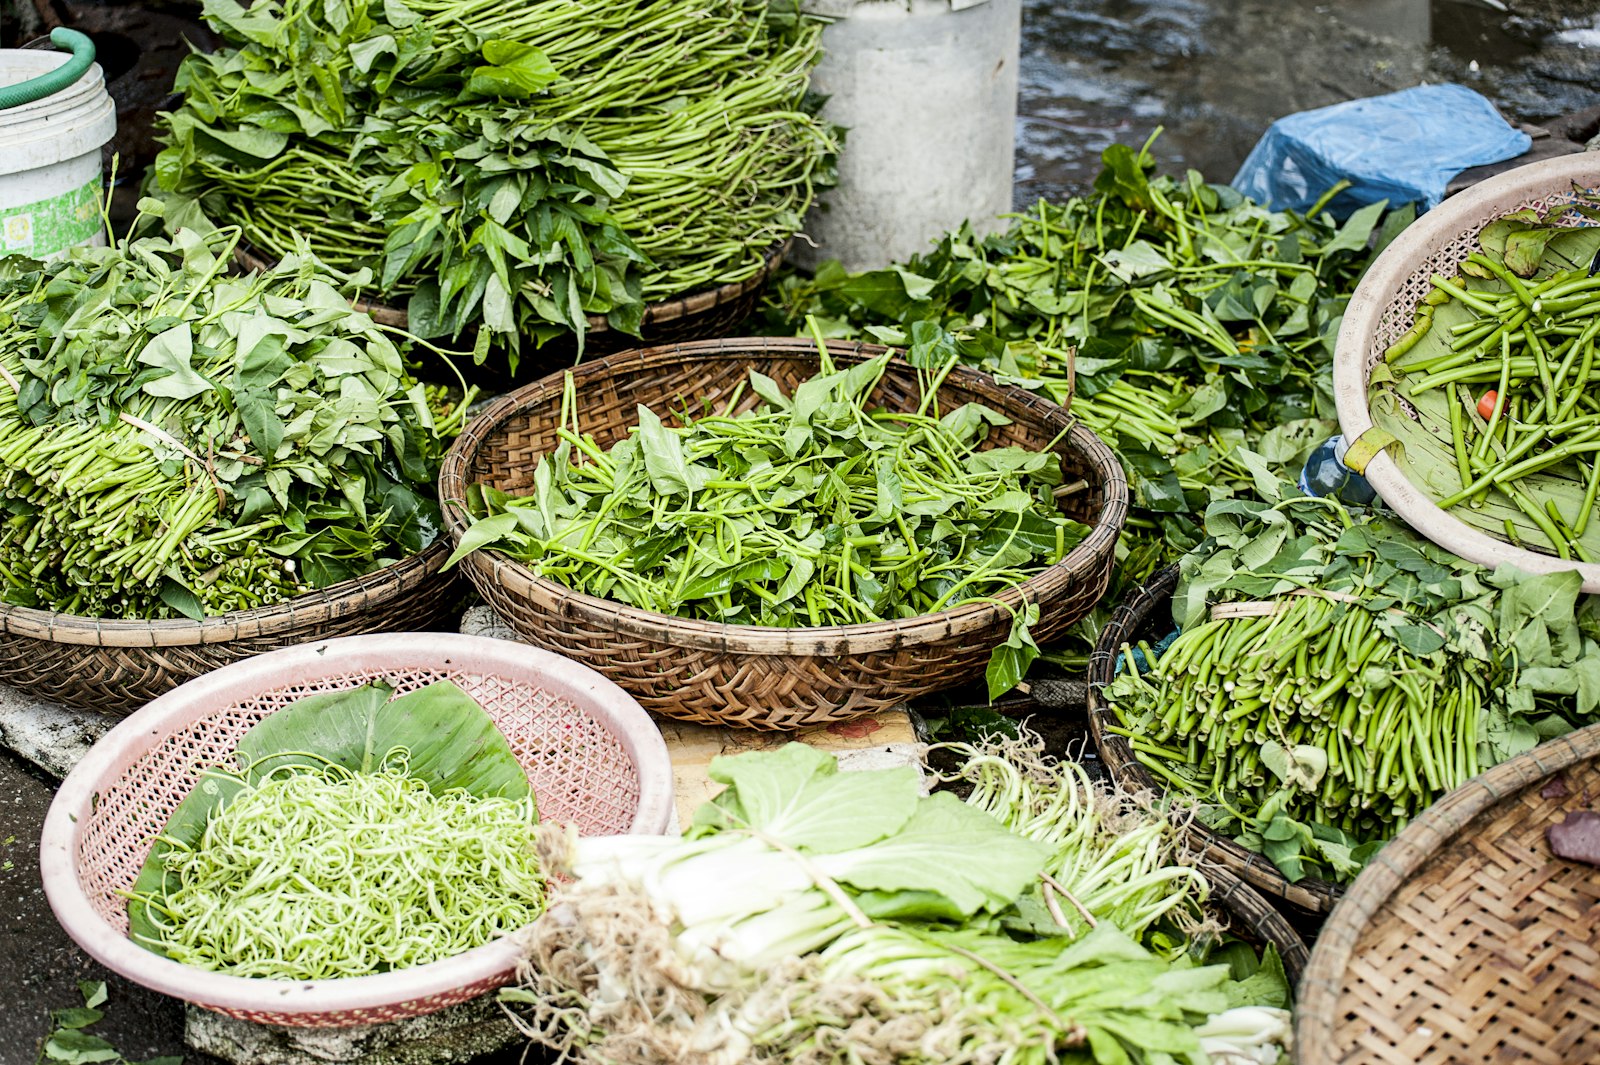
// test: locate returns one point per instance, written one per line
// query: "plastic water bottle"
(1325, 474)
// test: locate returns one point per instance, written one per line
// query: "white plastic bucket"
(50, 159)
(928, 92)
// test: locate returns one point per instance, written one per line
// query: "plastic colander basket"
(593, 756)
(1384, 307)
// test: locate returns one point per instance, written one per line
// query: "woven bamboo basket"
(1148, 616)
(1467, 941)
(712, 312)
(1384, 307)
(1253, 918)
(747, 675)
(116, 666)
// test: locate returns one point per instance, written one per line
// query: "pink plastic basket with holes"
(593, 756)
(1384, 307)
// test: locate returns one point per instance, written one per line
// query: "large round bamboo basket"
(1467, 940)
(748, 675)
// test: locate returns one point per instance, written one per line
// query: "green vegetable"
(809, 509)
(518, 165)
(1528, 470)
(814, 916)
(356, 835)
(71, 1043)
(1335, 674)
(1203, 323)
(176, 440)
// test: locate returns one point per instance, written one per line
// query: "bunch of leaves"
(813, 916)
(805, 509)
(353, 832)
(1202, 323)
(71, 1043)
(520, 166)
(177, 440)
(1481, 665)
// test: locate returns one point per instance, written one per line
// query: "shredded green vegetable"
(327, 873)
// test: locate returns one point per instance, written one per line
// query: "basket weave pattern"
(580, 773)
(116, 666)
(1148, 616)
(1467, 941)
(748, 675)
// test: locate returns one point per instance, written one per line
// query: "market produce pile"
(1334, 674)
(814, 916)
(1494, 393)
(179, 441)
(356, 834)
(1203, 323)
(516, 164)
(813, 508)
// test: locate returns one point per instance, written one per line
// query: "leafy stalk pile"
(356, 834)
(812, 916)
(522, 165)
(175, 440)
(1334, 674)
(1494, 391)
(1202, 321)
(810, 509)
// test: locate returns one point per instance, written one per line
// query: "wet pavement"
(1213, 73)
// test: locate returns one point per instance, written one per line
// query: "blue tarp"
(1404, 147)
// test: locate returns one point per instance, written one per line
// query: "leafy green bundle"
(1334, 674)
(811, 509)
(1203, 322)
(178, 441)
(522, 165)
(1493, 392)
(816, 917)
(356, 834)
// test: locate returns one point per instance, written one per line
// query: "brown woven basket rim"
(1231, 893)
(667, 310)
(1402, 856)
(336, 600)
(827, 641)
(1311, 893)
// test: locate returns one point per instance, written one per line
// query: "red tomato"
(1486, 404)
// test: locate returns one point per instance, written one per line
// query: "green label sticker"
(49, 227)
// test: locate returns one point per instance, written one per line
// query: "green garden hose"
(82, 49)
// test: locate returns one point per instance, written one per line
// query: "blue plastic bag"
(1404, 147)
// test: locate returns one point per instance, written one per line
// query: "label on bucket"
(48, 227)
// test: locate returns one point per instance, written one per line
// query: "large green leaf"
(452, 743)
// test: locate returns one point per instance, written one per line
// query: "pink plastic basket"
(593, 756)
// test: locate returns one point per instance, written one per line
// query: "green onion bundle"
(325, 874)
(175, 440)
(518, 165)
(808, 510)
(1334, 674)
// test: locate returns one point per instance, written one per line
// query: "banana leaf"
(452, 743)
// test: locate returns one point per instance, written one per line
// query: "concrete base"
(449, 1037)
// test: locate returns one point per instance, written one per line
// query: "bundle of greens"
(175, 440)
(1493, 392)
(812, 916)
(1334, 674)
(1202, 323)
(518, 165)
(810, 509)
(356, 834)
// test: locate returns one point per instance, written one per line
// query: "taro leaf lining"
(453, 744)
